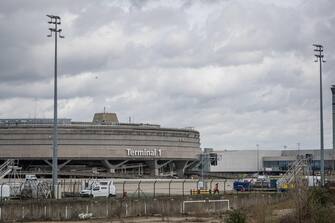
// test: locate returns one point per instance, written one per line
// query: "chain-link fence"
(167, 187)
(42, 189)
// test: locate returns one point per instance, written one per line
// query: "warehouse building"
(270, 161)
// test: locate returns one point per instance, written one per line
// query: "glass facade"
(284, 165)
(277, 165)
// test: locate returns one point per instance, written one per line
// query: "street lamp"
(204, 160)
(55, 20)
(333, 109)
(202, 168)
(319, 58)
(257, 145)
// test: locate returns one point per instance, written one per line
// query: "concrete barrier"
(80, 208)
(72, 209)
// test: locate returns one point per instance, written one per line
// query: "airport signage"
(144, 152)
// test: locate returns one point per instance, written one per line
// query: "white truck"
(4, 192)
(99, 188)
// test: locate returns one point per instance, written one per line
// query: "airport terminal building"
(107, 148)
(268, 161)
(101, 147)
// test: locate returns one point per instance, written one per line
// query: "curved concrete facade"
(94, 141)
(111, 143)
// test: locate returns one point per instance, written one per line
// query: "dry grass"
(147, 220)
(311, 205)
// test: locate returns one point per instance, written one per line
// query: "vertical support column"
(180, 167)
(154, 167)
(112, 167)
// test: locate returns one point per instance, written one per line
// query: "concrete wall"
(67, 209)
(71, 209)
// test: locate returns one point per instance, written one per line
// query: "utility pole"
(55, 20)
(202, 168)
(333, 117)
(257, 145)
(319, 58)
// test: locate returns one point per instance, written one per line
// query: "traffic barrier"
(200, 191)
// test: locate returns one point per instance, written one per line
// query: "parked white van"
(99, 188)
(4, 192)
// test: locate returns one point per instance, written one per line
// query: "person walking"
(216, 188)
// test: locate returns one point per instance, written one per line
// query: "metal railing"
(296, 169)
(6, 168)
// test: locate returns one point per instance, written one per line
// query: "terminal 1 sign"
(144, 152)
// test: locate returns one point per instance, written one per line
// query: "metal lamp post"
(319, 58)
(257, 145)
(55, 20)
(333, 109)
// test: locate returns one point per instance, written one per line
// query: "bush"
(320, 206)
(236, 216)
(315, 207)
(319, 197)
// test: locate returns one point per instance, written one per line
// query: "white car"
(99, 188)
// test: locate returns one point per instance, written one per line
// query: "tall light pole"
(333, 109)
(202, 168)
(319, 58)
(257, 145)
(55, 20)
(204, 161)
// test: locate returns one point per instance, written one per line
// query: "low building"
(271, 161)
(243, 161)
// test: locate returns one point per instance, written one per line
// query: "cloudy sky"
(241, 72)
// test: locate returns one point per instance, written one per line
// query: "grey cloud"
(241, 72)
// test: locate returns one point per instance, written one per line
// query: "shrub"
(314, 205)
(236, 216)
